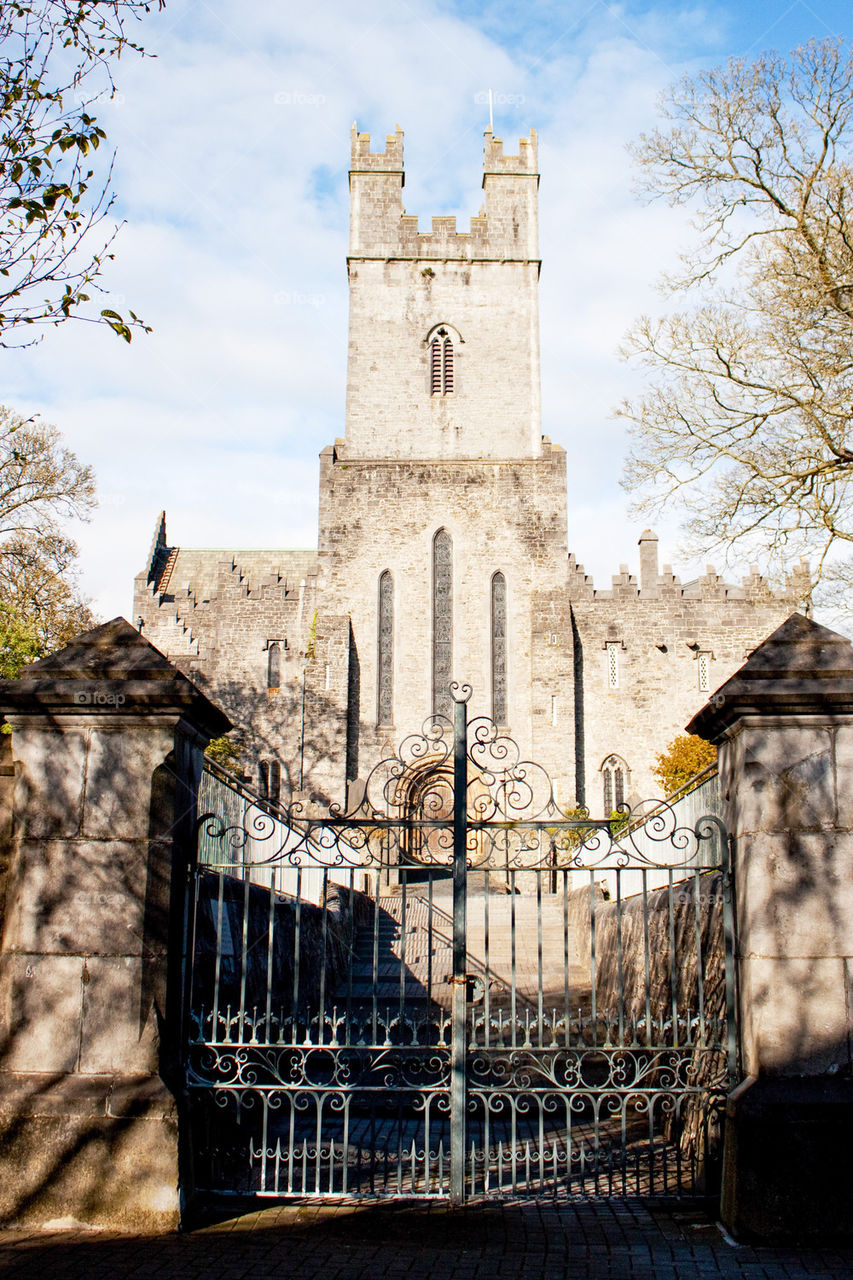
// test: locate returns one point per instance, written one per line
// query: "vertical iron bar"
(566, 997)
(220, 907)
(270, 958)
(539, 976)
(244, 954)
(458, 1051)
(403, 904)
(486, 982)
(673, 983)
(620, 959)
(513, 1006)
(592, 979)
(375, 964)
(647, 956)
(700, 977)
(726, 851)
(297, 952)
(324, 933)
(350, 962)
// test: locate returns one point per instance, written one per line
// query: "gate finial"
(460, 692)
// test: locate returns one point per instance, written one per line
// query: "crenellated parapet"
(504, 229)
(664, 585)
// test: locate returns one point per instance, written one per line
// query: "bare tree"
(42, 485)
(55, 235)
(747, 419)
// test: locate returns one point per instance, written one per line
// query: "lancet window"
(499, 656)
(442, 622)
(274, 666)
(385, 655)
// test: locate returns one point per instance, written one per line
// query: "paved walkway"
(590, 1241)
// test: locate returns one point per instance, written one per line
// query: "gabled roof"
(801, 668)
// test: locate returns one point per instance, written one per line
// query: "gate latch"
(475, 988)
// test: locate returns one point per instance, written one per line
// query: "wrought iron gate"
(457, 990)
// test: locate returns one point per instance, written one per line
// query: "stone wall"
(670, 982)
(325, 946)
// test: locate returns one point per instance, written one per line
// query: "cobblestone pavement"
(611, 1240)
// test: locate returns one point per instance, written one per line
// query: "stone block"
(795, 894)
(82, 896)
(844, 772)
(786, 780)
(51, 781)
(794, 1016)
(121, 766)
(41, 1009)
(119, 1032)
(97, 1151)
(787, 1173)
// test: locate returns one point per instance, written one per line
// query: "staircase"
(406, 957)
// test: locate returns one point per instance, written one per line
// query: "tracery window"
(442, 622)
(499, 657)
(441, 364)
(614, 774)
(269, 780)
(385, 654)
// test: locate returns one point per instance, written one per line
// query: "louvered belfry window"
(441, 364)
(442, 622)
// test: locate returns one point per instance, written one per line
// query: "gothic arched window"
(441, 364)
(499, 690)
(614, 774)
(275, 781)
(442, 622)
(274, 666)
(385, 651)
(264, 778)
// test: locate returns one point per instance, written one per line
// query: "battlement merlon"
(523, 165)
(506, 228)
(388, 161)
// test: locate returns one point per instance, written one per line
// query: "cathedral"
(443, 549)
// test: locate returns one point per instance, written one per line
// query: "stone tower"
(443, 509)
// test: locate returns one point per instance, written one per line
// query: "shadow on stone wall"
(661, 966)
(88, 1058)
(310, 744)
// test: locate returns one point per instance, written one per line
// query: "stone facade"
(443, 547)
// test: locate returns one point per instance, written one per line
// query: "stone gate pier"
(107, 744)
(784, 727)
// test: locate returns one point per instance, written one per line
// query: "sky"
(232, 149)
